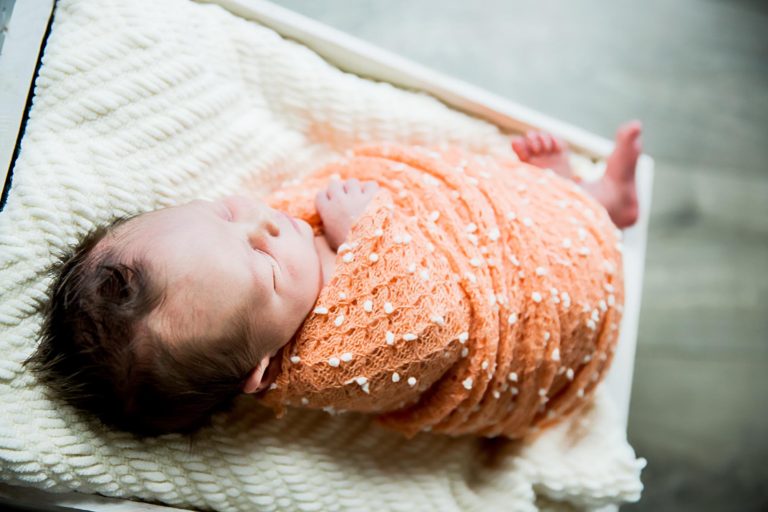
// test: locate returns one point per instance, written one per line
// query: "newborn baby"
(454, 325)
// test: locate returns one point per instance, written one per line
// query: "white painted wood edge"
(18, 59)
(619, 379)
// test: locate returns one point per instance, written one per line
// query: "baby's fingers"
(370, 187)
(321, 199)
(335, 188)
(352, 185)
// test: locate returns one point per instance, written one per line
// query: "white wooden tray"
(356, 56)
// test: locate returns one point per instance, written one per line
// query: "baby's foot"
(544, 150)
(616, 190)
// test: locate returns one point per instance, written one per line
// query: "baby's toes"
(533, 140)
(558, 146)
(547, 142)
(520, 146)
(629, 132)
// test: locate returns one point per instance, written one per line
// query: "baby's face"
(220, 260)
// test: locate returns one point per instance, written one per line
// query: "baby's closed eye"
(225, 213)
(272, 263)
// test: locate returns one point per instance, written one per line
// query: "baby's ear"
(256, 381)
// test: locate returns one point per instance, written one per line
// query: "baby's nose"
(266, 221)
(271, 226)
(261, 231)
(257, 217)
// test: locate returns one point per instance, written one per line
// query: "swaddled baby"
(440, 290)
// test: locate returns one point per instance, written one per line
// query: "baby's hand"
(340, 204)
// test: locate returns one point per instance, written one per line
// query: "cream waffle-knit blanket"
(146, 104)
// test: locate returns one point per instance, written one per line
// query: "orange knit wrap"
(474, 295)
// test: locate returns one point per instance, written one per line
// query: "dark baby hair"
(96, 355)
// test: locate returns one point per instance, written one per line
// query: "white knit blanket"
(145, 104)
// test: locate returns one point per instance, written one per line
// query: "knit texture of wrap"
(473, 296)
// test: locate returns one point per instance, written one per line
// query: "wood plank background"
(696, 73)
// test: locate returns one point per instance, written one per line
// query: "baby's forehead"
(121, 239)
(153, 222)
(130, 243)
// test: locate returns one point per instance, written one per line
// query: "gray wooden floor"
(696, 73)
